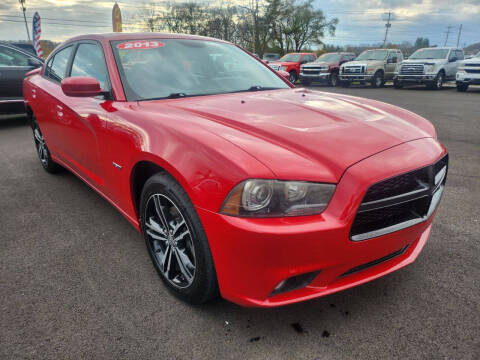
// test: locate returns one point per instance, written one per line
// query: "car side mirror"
(34, 63)
(453, 59)
(81, 86)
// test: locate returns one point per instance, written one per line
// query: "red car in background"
(291, 64)
(240, 184)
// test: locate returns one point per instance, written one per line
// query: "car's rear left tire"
(176, 240)
(42, 149)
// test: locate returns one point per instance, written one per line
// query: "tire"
(181, 256)
(293, 77)
(42, 150)
(345, 84)
(437, 83)
(333, 79)
(462, 87)
(397, 84)
(377, 80)
(306, 82)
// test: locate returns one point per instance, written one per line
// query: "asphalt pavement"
(76, 280)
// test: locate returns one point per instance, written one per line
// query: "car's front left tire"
(176, 240)
(42, 149)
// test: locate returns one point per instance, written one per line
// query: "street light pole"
(22, 3)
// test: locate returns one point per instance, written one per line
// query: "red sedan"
(240, 184)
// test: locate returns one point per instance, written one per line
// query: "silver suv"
(429, 66)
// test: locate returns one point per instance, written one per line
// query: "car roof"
(441, 48)
(23, 51)
(138, 36)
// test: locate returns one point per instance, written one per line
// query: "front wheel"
(176, 240)
(333, 79)
(293, 77)
(377, 80)
(462, 87)
(437, 83)
(397, 84)
(42, 150)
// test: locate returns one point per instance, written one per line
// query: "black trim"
(375, 262)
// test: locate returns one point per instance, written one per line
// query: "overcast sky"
(361, 22)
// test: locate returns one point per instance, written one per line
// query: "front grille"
(411, 69)
(472, 71)
(354, 69)
(400, 202)
(310, 71)
(472, 65)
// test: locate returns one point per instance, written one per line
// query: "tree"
(421, 43)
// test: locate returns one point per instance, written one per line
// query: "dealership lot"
(77, 281)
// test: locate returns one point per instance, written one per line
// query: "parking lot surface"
(76, 280)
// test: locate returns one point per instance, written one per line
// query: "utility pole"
(459, 32)
(447, 32)
(22, 3)
(387, 26)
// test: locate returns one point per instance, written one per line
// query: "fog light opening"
(294, 282)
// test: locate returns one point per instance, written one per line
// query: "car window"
(392, 55)
(89, 61)
(453, 54)
(460, 55)
(10, 57)
(57, 67)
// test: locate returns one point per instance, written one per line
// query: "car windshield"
(170, 68)
(291, 57)
(333, 58)
(373, 55)
(430, 54)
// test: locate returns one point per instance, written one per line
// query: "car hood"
(316, 64)
(365, 62)
(283, 63)
(423, 61)
(474, 60)
(302, 134)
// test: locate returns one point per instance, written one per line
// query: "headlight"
(429, 68)
(284, 68)
(274, 198)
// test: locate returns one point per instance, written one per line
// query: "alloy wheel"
(170, 241)
(40, 145)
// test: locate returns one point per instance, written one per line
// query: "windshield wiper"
(171, 96)
(260, 88)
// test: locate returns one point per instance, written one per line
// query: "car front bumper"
(468, 78)
(356, 77)
(315, 77)
(253, 256)
(415, 78)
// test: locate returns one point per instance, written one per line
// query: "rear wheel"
(176, 241)
(42, 150)
(377, 80)
(333, 79)
(293, 77)
(462, 87)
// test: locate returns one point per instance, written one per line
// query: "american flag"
(36, 30)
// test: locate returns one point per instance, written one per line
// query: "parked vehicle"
(373, 66)
(324, 69)
(270, 57)
(468, 73)
(429, 66)
(291, 64)
(14, 64)
(250, 188)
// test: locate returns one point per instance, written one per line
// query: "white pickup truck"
(468, 73)
(429, 66)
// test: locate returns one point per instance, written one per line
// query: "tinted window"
(10, 57)
(183, 67)
(58, 65)
(460, 55)
(89, 61)
(291, 57)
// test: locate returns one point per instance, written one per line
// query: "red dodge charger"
(240, 184)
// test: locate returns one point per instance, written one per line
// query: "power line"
(459, 32)
(22, 4)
